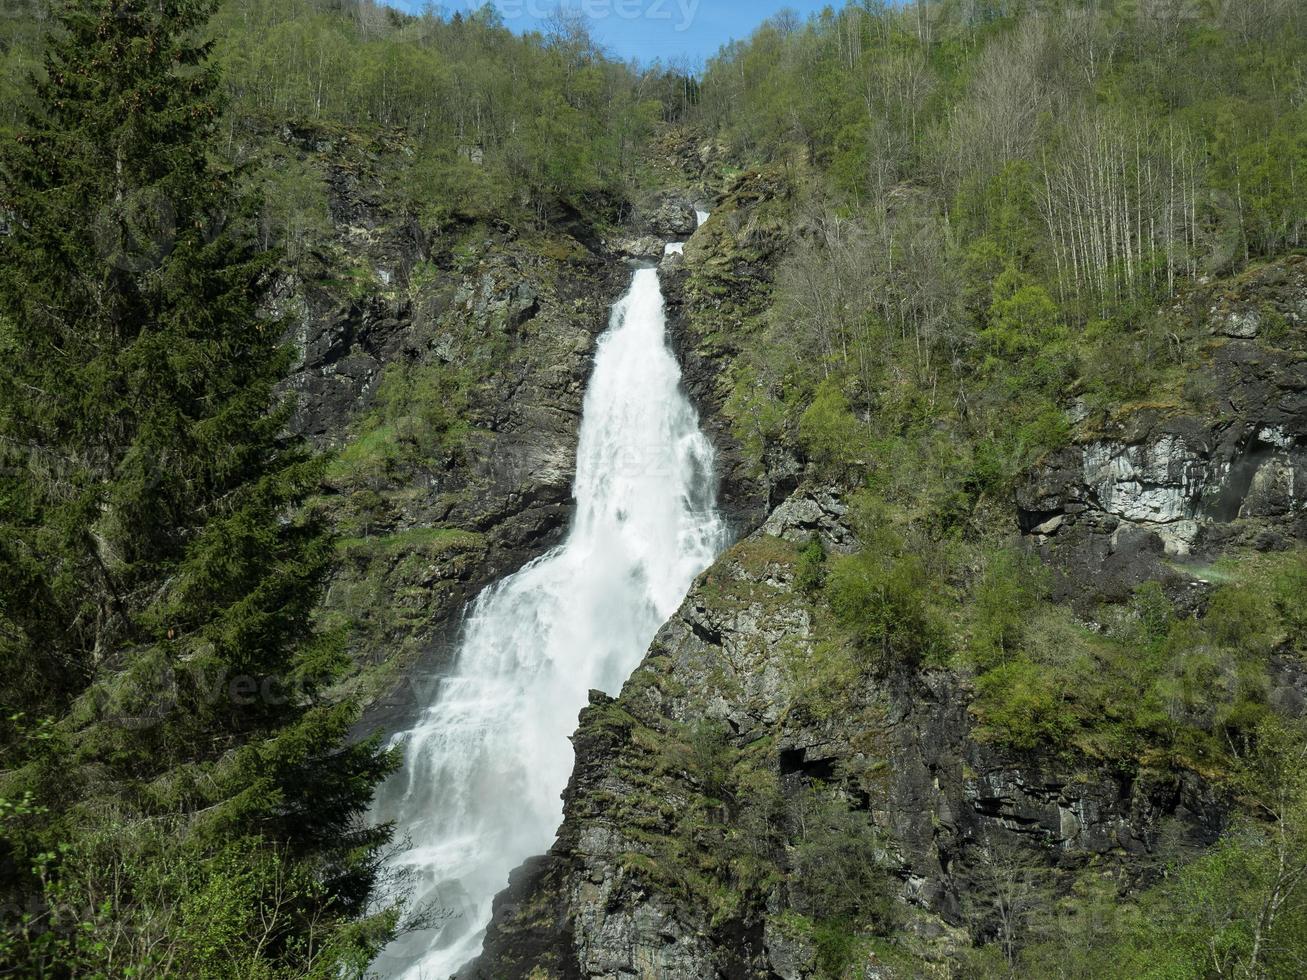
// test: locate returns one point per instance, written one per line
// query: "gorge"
(479, 791)
(431, 545)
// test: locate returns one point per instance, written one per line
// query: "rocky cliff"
(725, 807)
(444, 365)
(444, 368)
(1153, 489)
(646, 877)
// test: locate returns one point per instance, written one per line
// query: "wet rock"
(648, 248)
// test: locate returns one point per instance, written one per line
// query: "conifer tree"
(176, 795)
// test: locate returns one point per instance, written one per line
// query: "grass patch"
(429, 540)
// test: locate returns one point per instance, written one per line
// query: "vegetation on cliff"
(180, 792)
(991, 204)
(985, 230)
(960, 235)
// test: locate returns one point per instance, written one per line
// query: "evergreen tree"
(176, 796)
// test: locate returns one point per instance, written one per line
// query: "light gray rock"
(1155, 483)
(790, 956)
(1242, 324)
(812, 512)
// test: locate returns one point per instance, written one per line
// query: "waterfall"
(483, 770)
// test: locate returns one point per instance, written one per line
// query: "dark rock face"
(742, 495)
(1153, 494)
(511, 481)
(343, 352)
(902, 746)
(1163, 487)
(722, 283)
(514, 317)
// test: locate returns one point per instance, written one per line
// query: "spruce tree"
(177, 797)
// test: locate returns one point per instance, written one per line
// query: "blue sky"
(649, 29)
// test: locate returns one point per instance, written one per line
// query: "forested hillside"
(187, 186)
(993, 199)
(999, 325)
(1005, 309)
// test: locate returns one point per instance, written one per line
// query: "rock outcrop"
(715, 294)
(516, 325)
(1164, 486)
(633, 888)
(697, 791)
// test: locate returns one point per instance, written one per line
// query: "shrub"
(837, 875)
(1024, 705)
(1290, 602)
(830, 432)
(810, 572)
(1242, 617)
(1012, 585)
(882, 600)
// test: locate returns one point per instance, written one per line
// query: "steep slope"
(446, 367)
(762, 802)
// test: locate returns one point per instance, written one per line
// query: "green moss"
(610, 716)
(1149, 689)
(430, 541)
(837, 945)
(556, 249)
(755, 554)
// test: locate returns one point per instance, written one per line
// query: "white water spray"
(479, 791)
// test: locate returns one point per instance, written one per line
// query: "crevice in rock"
(795, 762)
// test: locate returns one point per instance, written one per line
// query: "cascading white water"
(479, 791)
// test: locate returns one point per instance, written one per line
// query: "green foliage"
(837, 872)
(295, 210)
(1195, 691)
(503, 124)
(1001, 217)
(419, 418)
(992, 212)
(1026, 705)
(828, 430)
(757, 416)
(193, 805)
(838, 944)
(1289, 597)
(20, 59)
(1023, 319)
(1011, 586)
(883, 597)
(810, 572)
